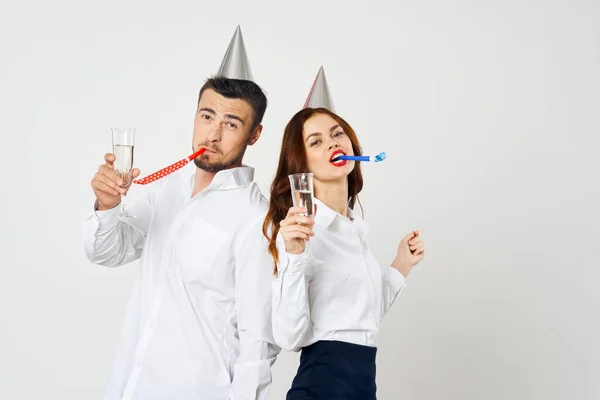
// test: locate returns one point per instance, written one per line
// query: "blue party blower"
(378, 158)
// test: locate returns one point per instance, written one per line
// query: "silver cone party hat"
(319, 95)
(235, 64)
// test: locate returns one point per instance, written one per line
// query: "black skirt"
(333, 370)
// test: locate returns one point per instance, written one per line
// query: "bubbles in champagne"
(304, 198)
(123, 162)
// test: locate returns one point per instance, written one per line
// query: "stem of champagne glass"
(123, 211)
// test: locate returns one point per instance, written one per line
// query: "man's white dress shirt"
(198, 322)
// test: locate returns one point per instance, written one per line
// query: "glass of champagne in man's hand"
(123, 140)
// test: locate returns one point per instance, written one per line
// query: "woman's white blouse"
(342, 299)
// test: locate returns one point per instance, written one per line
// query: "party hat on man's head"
(319, 95)
(235, 64)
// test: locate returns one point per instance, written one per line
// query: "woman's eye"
(338, 134)
(315, 143)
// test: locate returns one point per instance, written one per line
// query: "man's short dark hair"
(239, 89)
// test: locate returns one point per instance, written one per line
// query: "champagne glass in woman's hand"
(296, 230)
(303, 196)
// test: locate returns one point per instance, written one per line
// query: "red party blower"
(170, 169)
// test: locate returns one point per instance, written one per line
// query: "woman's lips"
(337, 153)
(338, 163)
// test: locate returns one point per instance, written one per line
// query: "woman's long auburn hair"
(292, 160)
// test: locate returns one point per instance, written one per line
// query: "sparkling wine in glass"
(123, 140)
(304, 198)
(303, 195)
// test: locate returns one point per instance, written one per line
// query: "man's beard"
(202, 162)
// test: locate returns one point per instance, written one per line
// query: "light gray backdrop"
(487, 110)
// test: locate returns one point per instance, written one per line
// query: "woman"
(330, 310)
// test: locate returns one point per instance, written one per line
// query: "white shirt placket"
(165, 265)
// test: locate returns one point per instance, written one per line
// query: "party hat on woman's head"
(319, 95)
(235, 64)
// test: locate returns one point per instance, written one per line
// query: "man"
(198, 324)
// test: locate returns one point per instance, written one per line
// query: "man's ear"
(255, 135)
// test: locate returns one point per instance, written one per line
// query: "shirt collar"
(326, 216)
(223, 180)
(233, 178)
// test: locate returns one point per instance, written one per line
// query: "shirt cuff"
(107, 219)
(395, 278)
(292, 263)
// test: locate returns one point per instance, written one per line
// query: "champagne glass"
(303, 195)
(123, 140)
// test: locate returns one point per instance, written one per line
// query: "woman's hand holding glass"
(296, 230)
